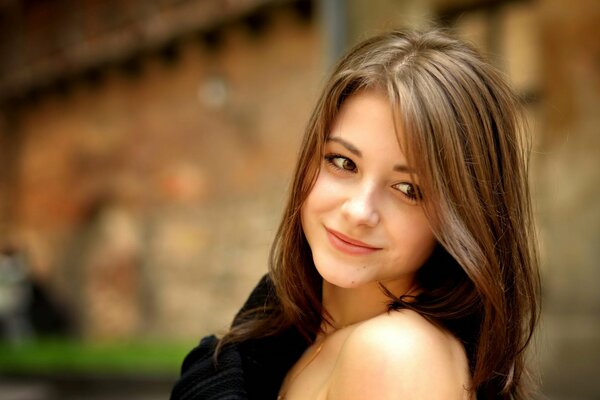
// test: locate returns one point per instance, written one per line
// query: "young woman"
(405, 264)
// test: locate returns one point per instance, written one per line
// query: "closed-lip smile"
(348, 245)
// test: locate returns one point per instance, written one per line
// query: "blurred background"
(146, 147)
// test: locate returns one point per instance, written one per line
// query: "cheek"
(324, 195)
(414, 240)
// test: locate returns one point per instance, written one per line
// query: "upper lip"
(347, 239)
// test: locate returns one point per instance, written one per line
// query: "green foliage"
(63, 355)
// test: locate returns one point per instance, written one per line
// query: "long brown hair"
(465, 138)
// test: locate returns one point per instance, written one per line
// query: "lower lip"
(348, 248)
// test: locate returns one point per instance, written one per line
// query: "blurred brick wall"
(567, 179)
(148, 198)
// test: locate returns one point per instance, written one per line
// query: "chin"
(340, 277)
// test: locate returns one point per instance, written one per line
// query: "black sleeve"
(262, 295)
(201, 379)
(251, 370)
(266, 360)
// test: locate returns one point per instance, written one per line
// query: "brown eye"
(341, 162)
(408, 190)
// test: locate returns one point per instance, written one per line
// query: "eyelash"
(330, 159)
(416, 196)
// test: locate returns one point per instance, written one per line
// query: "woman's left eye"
(409, 190)
(340, 162)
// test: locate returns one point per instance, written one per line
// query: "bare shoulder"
(397, 356)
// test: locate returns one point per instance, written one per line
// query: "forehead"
(366, 120)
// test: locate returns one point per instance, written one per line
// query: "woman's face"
(363, 219)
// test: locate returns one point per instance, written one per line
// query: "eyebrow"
(346, 144)
(352, 149)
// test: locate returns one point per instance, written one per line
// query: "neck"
(348, 306)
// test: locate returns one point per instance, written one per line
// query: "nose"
(361, 207)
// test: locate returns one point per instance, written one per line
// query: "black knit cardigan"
(251, 370)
